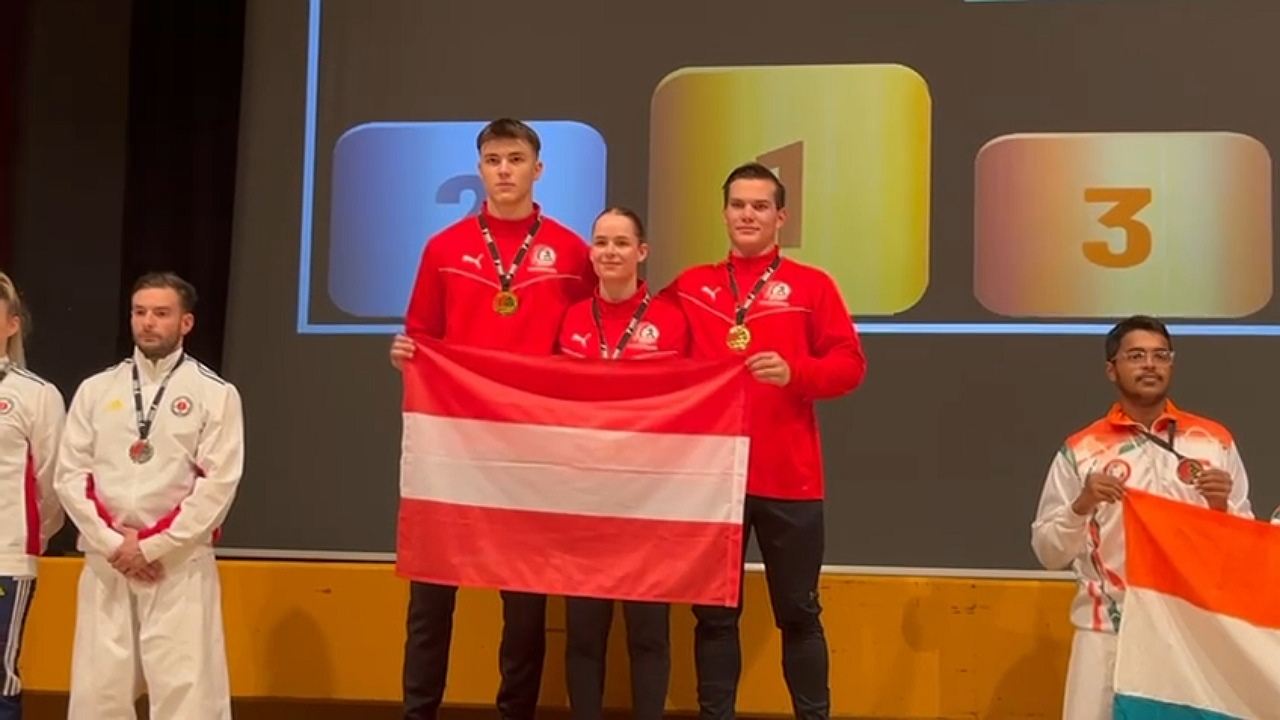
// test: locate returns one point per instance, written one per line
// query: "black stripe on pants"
(790, 536)
(429, 628)
(587, 623)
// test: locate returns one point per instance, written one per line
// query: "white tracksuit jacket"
(32, 412)
(180, 498)
(1093, 545)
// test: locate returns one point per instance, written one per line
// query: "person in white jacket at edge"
(1143, 442)
(32, 412)
(149, 465)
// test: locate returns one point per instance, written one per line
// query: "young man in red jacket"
(792, 329)
(499, 280)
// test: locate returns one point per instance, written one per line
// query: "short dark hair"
(1131, 324)
(629, 214)
(172, 281)
(509, 129)
(756, 171)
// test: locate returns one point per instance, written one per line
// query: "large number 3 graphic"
(450, 191)
(1126, 204)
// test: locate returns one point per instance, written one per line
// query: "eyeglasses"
(1138, 355)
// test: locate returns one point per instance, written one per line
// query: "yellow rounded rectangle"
(851, 144)
(1176, 224)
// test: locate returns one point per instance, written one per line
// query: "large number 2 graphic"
(788, 162)
(451, 190)
(1126, 204)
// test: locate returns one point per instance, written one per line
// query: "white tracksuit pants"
(166, 638)
(1090, 677)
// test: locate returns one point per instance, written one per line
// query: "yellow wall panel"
(900, 647)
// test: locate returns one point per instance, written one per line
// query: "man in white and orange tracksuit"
(1143, 442)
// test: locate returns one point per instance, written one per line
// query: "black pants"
(587, 622)
(15, 600)
(426, 651)
(790, 536)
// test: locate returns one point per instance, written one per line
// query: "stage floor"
(45, 706)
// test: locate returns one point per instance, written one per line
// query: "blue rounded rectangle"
(397, 184)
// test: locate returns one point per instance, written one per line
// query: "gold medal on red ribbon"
(505, 303)
(739, 338)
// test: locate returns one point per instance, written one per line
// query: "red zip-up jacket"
(800, 315)
(454, 291)
(661, 333)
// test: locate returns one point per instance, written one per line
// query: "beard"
(158, 348)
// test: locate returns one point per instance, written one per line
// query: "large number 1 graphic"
(1126, 203)
(788, 162)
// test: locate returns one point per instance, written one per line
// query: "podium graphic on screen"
(1098, 225)
(851, 143)
(394, 185)
(1069, 232)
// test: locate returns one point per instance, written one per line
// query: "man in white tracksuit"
(1143, 442)
(149, 464)
(31, 418)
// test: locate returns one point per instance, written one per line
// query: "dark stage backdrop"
(123, 120)
(13, 16)
(991, 184)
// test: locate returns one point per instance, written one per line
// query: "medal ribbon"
(1165, 444)
(505, 277)
(751, 298)
(626, 335)
(144, 425)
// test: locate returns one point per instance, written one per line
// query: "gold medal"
(505, 303)
(739, 338)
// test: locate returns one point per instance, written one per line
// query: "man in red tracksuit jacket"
(792, 329)
(499, 280)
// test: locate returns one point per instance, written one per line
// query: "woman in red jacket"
(621, 321)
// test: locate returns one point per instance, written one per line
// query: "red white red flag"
(560, 476)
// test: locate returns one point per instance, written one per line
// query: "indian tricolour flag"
(561, 476)
(1201, 631)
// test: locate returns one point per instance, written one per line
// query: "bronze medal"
(141, 451)
(1189, 470)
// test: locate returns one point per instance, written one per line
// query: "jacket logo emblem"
(181, 406)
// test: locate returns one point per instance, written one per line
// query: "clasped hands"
(769, 367)
(129, 561)
(1213, 484)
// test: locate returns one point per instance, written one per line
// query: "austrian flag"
(561, 476)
